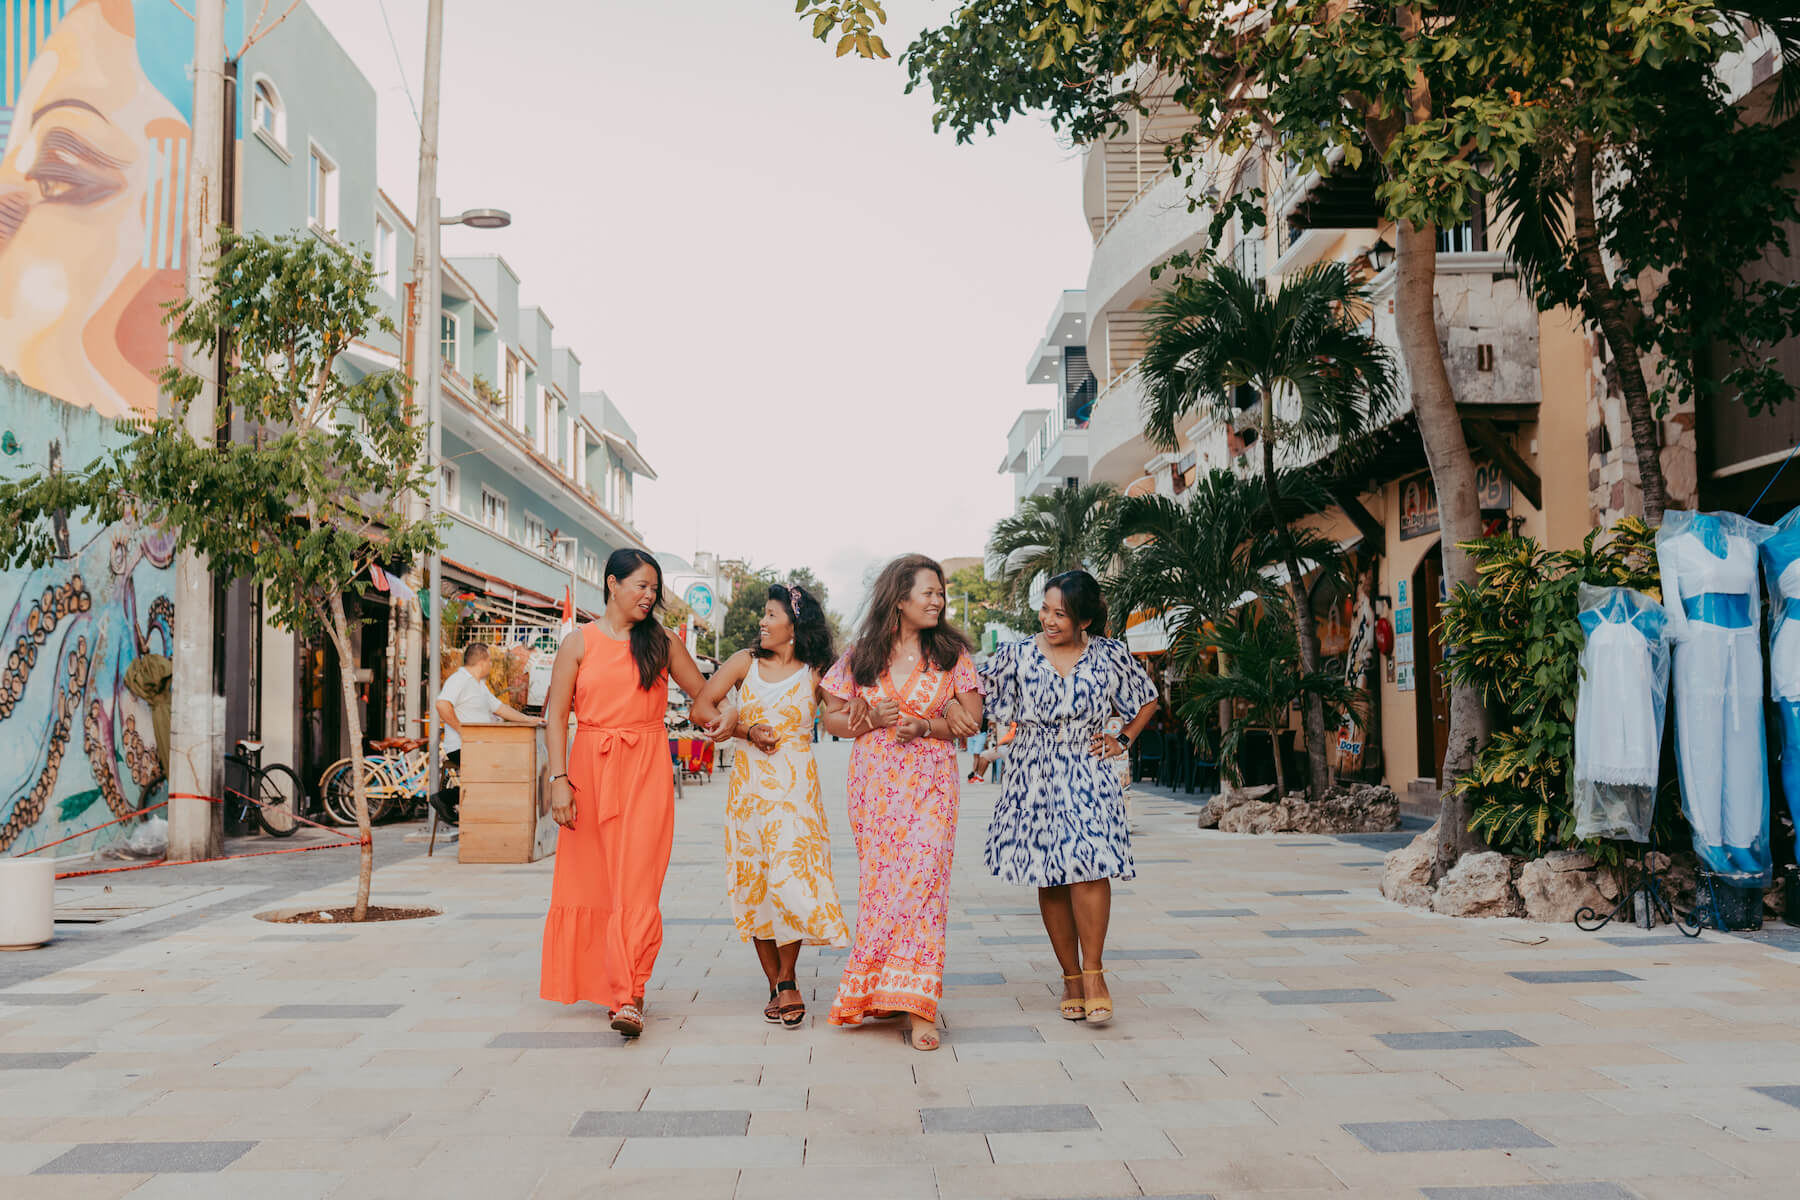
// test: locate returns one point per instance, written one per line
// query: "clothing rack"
(1656, 900)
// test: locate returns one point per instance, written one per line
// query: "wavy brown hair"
(942, 644)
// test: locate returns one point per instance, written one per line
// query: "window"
(450, 486)
(448, 340)
(512, 385)
(493, 510)
(563, 551)
(535, 536)
(590, 566)
(322, 192)
(267, 116)
(1468, 237)
(386, 251)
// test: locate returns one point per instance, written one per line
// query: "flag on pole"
(568, 615)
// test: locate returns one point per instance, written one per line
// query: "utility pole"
(195, 823)
(427, 269)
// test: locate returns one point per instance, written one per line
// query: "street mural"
(95, 106)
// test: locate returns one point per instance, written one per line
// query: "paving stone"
(1005, 911)
(1159, 952)
(1328, 996)
(969, 1035)
(1315, 933)
(307, 937)
(1313, 892)
(695, 1153)
(1574, 977)
(1008, 1118)
(1211, 912)
(1387, 1137)
(330, 1012)
(716, 921)
(1788, 1094)
(1456, 1039)
(1026, 939)
(664, 1123)
(1366, 862)
(1534, 1191)
(1288, 845)
(145, 1158)
(41, 1060)
(555, 1039)
(1656, 939)
(505, 916)
(973, 978)
(48, 999)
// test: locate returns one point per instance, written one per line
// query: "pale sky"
(816, 312)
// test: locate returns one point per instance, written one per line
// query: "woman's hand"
(1105, 746)
(910, 728)
(867, 718)
(763, 737)
(962, 723)
(562, 802)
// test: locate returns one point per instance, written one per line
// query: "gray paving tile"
(973, 978)
(726, 921)
(1392, 1137)
(1340, 932)
(41, 1060)
(1313, 892)
(510, 916)
(1155, 952)
(1787, 1093)
(330, 1012)
(664, 1123)
(959, 926)
(48, 999)
(145, 1158)
(1455, 1039)
(307, 937)
(1329, 996)
(1020, 939)
(547, 1039)
(1654, 939)
(1008, 1118)
(1365, 862)
(993, 1033)
(1533, 1191)
(1212, 912)
(834, 952)
(1574, 977)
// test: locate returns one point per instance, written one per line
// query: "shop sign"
(699, 597)
(1419, 504)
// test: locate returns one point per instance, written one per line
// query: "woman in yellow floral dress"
(777, 849)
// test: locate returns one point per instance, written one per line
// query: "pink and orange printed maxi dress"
(903, 801)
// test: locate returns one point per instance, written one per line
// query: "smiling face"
(776, 629)
(90, 224)
(1059, 627)
(632, 598)
(923, 604)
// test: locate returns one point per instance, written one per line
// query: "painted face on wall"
(91, 217)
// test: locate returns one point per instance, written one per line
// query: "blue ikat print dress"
(1061, 814)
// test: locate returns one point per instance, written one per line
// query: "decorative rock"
(1406, 877)
(1359, 808)
(1480, 885)
(1557, 886)
(1231, 798)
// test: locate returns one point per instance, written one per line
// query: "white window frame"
(590, 566)
(546, 416)
(536, 535)
(450, 487)
(493, 503)
(275, 135)
(322, 172)
(387, 255)
(449, 349)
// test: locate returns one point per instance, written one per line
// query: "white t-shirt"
(471, 701)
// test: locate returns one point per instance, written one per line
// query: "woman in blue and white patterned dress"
(1059, 825)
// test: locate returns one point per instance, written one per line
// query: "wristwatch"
(1124, 740)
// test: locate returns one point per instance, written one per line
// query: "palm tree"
(1068, 529)
(1306, 346)
(1257, 653)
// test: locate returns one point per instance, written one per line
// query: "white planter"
(27, 902)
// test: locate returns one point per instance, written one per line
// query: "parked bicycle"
(267, 796)
(394, 779)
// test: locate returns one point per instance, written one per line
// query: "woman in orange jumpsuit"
(614, 795)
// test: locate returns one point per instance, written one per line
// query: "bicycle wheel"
(337, 790)
(278, 801)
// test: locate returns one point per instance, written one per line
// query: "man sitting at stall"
(465, 698)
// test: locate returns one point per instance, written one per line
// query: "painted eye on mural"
(70, 171)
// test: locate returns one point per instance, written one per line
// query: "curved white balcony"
(1116, 446)
(1156, 225)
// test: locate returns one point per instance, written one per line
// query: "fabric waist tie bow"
(605, 739)
(1728, 610)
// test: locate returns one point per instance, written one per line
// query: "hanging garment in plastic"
(1708, 563)
(1781, 565)
(1619, 713)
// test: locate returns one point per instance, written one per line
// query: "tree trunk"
(1280, 772)
(1306, 633)
(1616, 319)
(340, 637)
(1459, 512)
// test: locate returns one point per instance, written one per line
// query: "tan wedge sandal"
(1100, 1009)
(1073, 1007)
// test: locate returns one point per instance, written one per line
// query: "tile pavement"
(1281, 1032)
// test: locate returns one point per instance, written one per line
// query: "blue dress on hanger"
(1781, 564)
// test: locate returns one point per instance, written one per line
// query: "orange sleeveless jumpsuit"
(605, 924)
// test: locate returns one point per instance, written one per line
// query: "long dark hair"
(649, 640)
(1082, 600)
(812, 631)
(942, 644)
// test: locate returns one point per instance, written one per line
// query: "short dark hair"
(475, 650)
(1082, 600)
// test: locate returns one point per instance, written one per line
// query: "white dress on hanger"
(1619, 713)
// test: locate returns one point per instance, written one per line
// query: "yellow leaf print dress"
(777, 849)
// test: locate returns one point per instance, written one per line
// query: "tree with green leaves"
(1430, 90)
(318, 494)
(1317, 377)
(1065, 530)
(977, 601)
(749, 590)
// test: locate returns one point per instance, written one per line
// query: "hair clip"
(794, 599)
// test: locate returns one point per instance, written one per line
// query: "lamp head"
(481, 218)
